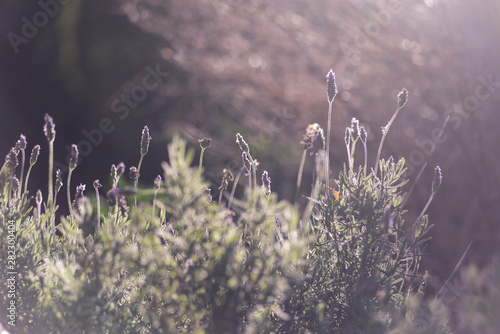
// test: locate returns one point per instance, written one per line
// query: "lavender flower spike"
(331, 86)
(145, 139)
(49, 129)
(438, 179)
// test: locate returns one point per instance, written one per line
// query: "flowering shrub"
(178, 261)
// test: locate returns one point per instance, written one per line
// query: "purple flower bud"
(157, 183)
(34, 155)
(438, 179)
(73, 160)
(39, 197)
(355, 127)
(79, 195)
(11, 161)
(49, 128)
(15, 184)
(145, 139)
(362, 133)
(402, 97)
(79, 191)
(120, 169)
(242, 143)
(347, 136)
(205, 143)
(331, 86)
(59, 182)
(97, 184)
(266, 180)
(246, 162)
(21, 143)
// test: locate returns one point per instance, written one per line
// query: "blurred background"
(211, 68)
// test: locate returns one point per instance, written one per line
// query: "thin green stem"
(433, 148)
(235, 183)
(51, 167)
(23, 157)
(424, 209)
(201, 158)
(385, 130)
(327, 161)
(353, 149)
(299, 176)
(27, 177)
(98, 225)
(154, 204)
(366, 159)
(68, 191)
(137, 180)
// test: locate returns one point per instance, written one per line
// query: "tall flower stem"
(331, 91)
(402, 98)
(246, 149)
(34, 157)
(50, 132)
(157, 184)
(73, 162)
(136, 181)
(436, 183)
(145, 139)
(97, 185)
(363, 136)
(328, 136)
(51, 166)
(22, 145)
(233, 190)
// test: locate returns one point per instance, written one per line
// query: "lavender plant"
(350, 265)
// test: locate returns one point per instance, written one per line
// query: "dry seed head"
(314, 138)
(133, 173)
